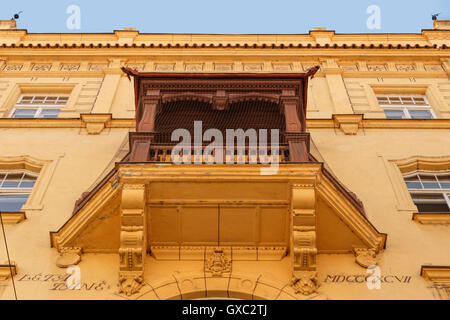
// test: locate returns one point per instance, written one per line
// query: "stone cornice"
(126, 38)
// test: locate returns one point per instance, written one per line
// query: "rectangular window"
(39, 106)
(429, 191)
(15, 188)
(405, 107)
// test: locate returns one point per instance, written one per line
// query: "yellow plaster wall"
(344, 85)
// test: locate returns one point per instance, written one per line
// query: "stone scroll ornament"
(132, 239)
(303, 240)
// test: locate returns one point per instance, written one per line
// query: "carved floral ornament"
(70, 67)
(305, 282)
(217, 263)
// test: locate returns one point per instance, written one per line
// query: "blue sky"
(226, 16)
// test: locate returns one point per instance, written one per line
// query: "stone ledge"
(348, 123)
(13, 217)
(431, 218)
(95, 122)
(6, 270)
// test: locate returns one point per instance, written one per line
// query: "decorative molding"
(164, 67)
(193, 67)
(376, 67)
(197, 253)
(70, 67)
(97, 66)
(129, 123)
(405, 67)
(13, 67)
(41, 67)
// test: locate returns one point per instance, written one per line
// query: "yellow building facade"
(363, 213)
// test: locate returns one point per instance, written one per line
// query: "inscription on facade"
(57, 282)
(362, 278)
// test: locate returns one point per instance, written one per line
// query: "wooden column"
(290, 106)
(140, 146)
(298, 146)
(150, 107)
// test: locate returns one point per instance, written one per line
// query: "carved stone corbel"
(68, 256)
(95, 123)
(365, 257)
(132, 239)
(348, 123)
(303, 239)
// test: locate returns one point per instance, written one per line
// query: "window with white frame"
(39, 106)
(430, 191)
(15, 188)
(405, 107)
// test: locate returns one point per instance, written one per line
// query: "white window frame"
(405, 107)
(17, 190)
(38, 107)
(445, 192)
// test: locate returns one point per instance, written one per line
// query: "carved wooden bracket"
(132, 239)
(303, 239)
